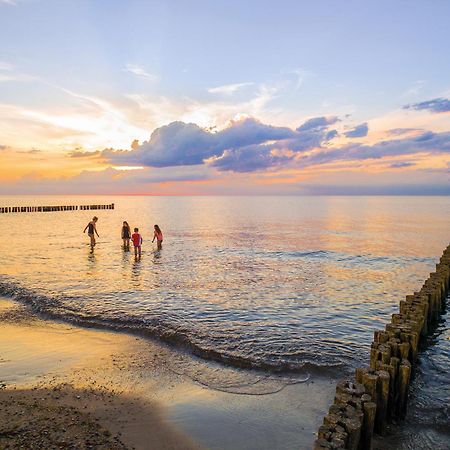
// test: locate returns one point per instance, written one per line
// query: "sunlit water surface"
(293, 285)
(278, 283)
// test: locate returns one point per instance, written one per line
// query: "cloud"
(317, 123)
(10, 76)
(6, 66)
(250, 159)
(437, 105)
(229, 89)
(32, 151)
(107, 181)
(140, 72)
(358, 131)
(309, 150)
(7, 73)
(182, 143)
(415, 88)
(9, 2)
(300, 75)
(427, 142)
(401, 164)
(402, 131)
(331, 135)
(83, 154)
(246, 145)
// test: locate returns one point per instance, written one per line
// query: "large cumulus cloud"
(248, 145)
(184, 144)
(245, 145)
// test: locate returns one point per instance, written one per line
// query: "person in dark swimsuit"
(92, 228)
(126, 235)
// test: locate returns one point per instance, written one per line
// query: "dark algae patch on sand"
(65, 417)
(47, 419)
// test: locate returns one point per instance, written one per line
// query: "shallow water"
(280, 283)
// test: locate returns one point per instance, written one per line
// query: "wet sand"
(70, 387)
(64, 417)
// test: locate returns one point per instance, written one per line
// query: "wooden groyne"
(52, 208)
(377, 394)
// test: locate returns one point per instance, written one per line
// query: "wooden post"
(370, 409)
(404, 377)
(370, 384)
(382, 401)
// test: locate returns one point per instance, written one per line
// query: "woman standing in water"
(92, 228)
(126, 235)
(158, 236)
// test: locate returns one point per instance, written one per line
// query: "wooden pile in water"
(21, 209)
(379, 393)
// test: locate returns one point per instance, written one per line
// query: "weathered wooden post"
(370, 409)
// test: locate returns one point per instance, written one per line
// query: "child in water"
(137, 243)
(158, 236)
(126, 235)
(91, 227)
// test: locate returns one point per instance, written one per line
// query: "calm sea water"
(279, 283)
(282, 284)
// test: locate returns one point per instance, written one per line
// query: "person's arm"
(95, 229)
(84, 231)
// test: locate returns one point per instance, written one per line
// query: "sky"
(195, 97)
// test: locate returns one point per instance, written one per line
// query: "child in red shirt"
(137, 242)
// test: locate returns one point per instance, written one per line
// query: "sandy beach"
(69, 387)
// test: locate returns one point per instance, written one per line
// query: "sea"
(275, 284)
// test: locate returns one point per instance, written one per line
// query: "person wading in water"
(92, 228)
(158, 236)
(126, 235)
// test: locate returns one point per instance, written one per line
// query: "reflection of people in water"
(137, 243)
(126, 235)
(158, 236)
(92, 228)
(136, 274)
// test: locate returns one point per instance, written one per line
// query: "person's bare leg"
(139, 252)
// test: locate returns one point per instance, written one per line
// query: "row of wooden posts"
(21, 209)
(379, 393)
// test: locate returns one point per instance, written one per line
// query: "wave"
(156, 328)
(372, 261)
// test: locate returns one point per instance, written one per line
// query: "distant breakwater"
(378, 394)
(52, 208)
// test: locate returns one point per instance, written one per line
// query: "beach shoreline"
(123, 391)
